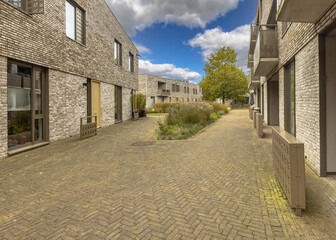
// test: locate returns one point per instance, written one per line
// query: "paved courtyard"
(123, 184)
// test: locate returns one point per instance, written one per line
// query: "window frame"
(77, 7)
(131, 62)
(117, 47)
(24, 4)
(289, 98)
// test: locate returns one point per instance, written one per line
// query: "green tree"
(223, 78)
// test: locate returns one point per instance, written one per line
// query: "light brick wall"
(41, 39)
(282, 98)
(126, 104)
(307, 101)
(3, 107)
(107, 104)
(265, 104)
(67, 104)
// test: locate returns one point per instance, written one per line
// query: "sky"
(175, 37)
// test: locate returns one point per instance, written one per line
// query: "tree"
(223, 78)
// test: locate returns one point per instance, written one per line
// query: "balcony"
(266, 51)
(163, 92)
(250, 61)
(307, 11)
(253, 38)
(253, 81)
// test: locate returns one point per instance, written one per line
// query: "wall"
(67, 104)
(307, 101)
(3, 107)
(126, 104)
(107, 104)
(40, 39)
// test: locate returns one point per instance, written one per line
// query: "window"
(18, 3)
(74, 22)
(285, 26)
(185, 89)
(178, 88)
(131, 62)
(290, 99)
(117, 53)
(173, 88)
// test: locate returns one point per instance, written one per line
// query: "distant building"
(159, 89)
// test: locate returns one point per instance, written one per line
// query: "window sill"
(27, 148)
(83, 45)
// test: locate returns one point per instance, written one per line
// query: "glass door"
(39, 105)
(26, 105)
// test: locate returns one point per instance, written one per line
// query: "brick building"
(292, 56)
(158, 89)
(61, 60)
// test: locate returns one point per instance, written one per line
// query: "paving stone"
(219, 184)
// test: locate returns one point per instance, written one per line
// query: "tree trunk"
(223, 98)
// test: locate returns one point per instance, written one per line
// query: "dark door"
(273, 103)
(118, 103)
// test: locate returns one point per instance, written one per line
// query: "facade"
(61, 60)
(158, 89)
(291, 57)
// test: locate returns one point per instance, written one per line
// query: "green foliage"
(223, 79)
(19, 123)
(186, 119)
(140, 101)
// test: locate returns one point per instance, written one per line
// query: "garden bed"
(186, 120)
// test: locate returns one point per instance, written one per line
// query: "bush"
(141, 102)
(191, 113)
(219, 108)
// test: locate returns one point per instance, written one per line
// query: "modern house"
(61, 60)
(159, 89)
(292, 59)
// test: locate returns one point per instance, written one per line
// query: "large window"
(117, 53)
(74, 22)
(131, 62)
(26, 104)
(290, 99)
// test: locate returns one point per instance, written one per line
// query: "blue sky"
(175, 37)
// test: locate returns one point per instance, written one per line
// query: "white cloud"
(136, 15)
(214, 39)
(142, 49)
(168, 71)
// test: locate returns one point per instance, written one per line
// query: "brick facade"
(41, 40)
(3, 107)
(148, 85)
(300, 43)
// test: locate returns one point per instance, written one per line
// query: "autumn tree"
(223, 78)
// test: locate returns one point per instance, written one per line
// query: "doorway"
(27, 105)
(273, 101)
(118, 104)
(330, 100)
(96, 101)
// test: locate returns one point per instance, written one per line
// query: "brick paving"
(123, 184)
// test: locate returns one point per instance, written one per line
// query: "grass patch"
(155, 114)
(184, 120)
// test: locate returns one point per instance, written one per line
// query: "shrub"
(191, 113)
(141, 102)
(219, 108)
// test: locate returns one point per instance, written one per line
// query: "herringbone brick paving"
(122, 184)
